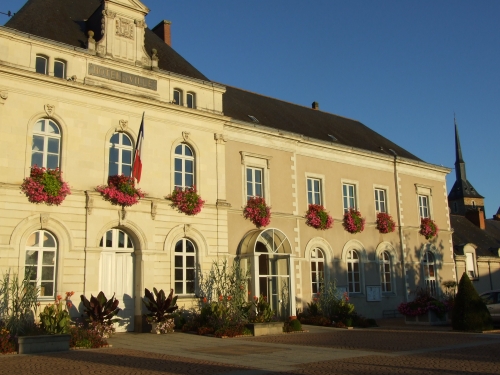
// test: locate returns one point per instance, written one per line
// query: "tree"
(469, 311)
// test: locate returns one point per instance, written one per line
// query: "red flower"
(121, 191)
(385, 224)
(257, 212)
(220, 297)
(205, 300)
(353, 221)
(318, 218)
(428, 228)
(186, 200)
(45, 186)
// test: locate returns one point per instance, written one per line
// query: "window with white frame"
(423, 206)
(385, 272)
(314, 191)
(183, 167)
(41, 261)
(41, 64)
(185, 267)
(470, 265)
(190, 100)
(317, 270)
(60, 69)
(46, 144)
(429, 265)
(177, 97)
(349, 196)
(353, 272)
(254, 182)
(120, 155)
(116, 239)
(380, 200)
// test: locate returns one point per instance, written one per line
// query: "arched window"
(190, 100)
(120, 155)
(177, 97)
(60, 69)
(429, 265)
(41, 261)
(185, 266)
(184, 166)
(116, 239)
(385, 272)
(317, 270)
(353, 275)
(41, 64)
(46, 144)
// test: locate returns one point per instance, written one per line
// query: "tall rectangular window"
(59, 69)
(380, 200)
(313, 191)
(41, 65)
(190, 100)
(177, 97)
(349, 195)
(470, 265)
(254, 182)
(423, 206)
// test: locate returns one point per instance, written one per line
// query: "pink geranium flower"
(121, 191)
(318, 218)
(257, 212)
(45, 186)
(186, 200)
(353, 221)
(428, 228)
(385, 224)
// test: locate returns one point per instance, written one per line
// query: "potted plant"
(353, 221)
(121, 191)
(186, 200)
(101, 313)
(424, 309)
(263, 319)
(317, 217)
(257, 212)
(45, 186)
(428, 228)
(385, 224)
(160, 310)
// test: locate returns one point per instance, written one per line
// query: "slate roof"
(464, 232)
(463, 189)
(65, 21)
(312, 123)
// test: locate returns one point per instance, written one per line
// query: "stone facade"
(93, 105)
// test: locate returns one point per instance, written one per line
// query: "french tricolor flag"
(137, 170)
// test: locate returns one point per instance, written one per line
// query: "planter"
(430, 318)
(153, 329)
(263, 329)
(43, 344)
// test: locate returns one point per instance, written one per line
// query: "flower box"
(429, 318)
(43, 344)
(121, 191)
(186, 200)
(263, 329)
(318, 218)
(257, 212)
(353, 221)
(45, 186)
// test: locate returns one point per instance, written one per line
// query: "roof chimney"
(476, 217)
(315, 105)
(163, 31)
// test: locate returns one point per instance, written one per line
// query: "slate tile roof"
(65, 21)
(464, 232)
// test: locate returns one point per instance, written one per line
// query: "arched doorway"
(268, 255)
(117, 274)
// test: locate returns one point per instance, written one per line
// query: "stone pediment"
(131, 4)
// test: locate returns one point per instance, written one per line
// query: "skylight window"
(333, 138)
(253, 118)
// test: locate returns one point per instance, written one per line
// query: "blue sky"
(402, 68)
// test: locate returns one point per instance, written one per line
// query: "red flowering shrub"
(45, 186)
(424, 302)
(7, 342)
(121, 191)
(257, 212)
(186, 200)
(318, 218)
(385, 224)
(428, 228)
(353, 221)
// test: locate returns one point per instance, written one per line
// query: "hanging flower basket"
(186, 200)
(45, 186)
(385, 224)
(318, 218)
(257, 212)
(121, 191)
(353, 221)
(428, 228)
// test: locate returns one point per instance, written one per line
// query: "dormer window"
(190, 100)
(177, 97)
(60, 69)
(253, 118)
(41, 64)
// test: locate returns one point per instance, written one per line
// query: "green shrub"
(469, 311)
(295, 325)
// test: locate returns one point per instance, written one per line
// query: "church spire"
(459, 162)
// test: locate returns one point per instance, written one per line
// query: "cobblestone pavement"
(321, 351)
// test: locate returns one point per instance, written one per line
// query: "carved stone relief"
(3, 96)
(125, 28)
(187, 229)
(123, 125)
(140, 23)
(44, 220)
(90, 203)
(49, 109)
(220, 138)
(122, 216)
(154, 208)
(185, 136)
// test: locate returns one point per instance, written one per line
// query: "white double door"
(117, 277)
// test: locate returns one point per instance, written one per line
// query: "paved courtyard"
(384, 350)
